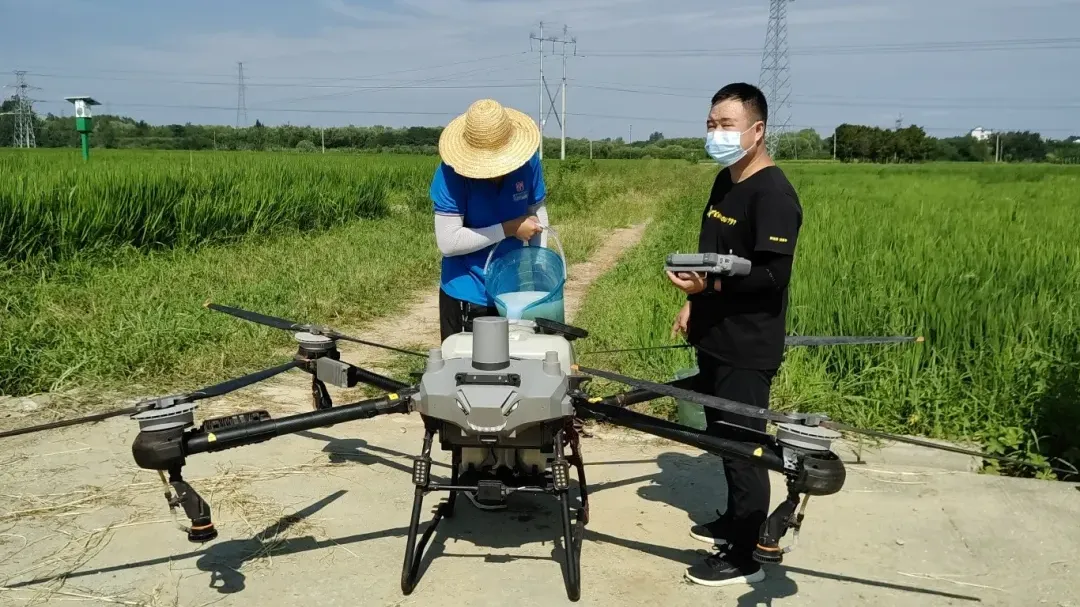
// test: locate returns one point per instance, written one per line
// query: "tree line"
(853, 143)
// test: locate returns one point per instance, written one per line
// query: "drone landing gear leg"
(320, 396)
(572, 533)
(576, 431)
(455, 464)
(414, 552)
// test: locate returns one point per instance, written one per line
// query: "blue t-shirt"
(481, 203)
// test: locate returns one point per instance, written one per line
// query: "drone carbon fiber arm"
(766, 454)
(168, 448)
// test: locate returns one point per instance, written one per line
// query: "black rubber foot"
(203, 534)
(768, 557)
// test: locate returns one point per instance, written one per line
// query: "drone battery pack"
(710, 263)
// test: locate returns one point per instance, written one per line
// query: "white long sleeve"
(454, 238)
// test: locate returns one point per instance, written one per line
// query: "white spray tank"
(526, 283)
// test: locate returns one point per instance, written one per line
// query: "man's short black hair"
(751, 97)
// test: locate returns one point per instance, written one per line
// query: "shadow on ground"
(692, 484)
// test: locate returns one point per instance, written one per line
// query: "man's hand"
(681, 320)
(688, 282)
(523, 228)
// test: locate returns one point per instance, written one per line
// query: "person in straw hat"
(488, 188)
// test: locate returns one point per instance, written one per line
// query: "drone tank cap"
(491, 343)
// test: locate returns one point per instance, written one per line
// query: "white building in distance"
(981, 134)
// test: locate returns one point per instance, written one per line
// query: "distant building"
(981, 134)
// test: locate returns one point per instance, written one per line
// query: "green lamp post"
(83, 121)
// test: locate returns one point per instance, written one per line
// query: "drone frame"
(167, 437)
(800, 450)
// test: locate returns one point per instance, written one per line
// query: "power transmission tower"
(24, 112)
(900, 122)
(775, 79)
(560, 116)
(241, 102)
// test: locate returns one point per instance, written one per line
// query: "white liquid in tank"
(516, 302)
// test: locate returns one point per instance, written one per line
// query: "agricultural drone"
(506, 399)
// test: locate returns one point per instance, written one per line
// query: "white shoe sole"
(758, 576)
(706, 539)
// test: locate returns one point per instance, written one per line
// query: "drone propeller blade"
(790, 341)
(209, 392)
(845, 340)
(929, 445)
(704, 400)
(241, 382)
(70, 422)
(288, 325)
(337, 335)
(255, 317)
(747, 410)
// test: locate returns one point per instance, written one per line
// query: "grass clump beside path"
(982, 261)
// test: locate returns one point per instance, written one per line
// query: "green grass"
(980, 260)
(130, 317)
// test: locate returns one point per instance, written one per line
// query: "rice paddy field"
(104, 267)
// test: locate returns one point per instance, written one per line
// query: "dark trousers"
(747, 485)
(456, 315)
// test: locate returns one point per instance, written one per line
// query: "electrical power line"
(862, 49)
(622, 117)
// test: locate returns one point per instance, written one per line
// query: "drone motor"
(166, 413)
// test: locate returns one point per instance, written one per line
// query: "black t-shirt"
(744, 324)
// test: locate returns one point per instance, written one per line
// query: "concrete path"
(320, 518)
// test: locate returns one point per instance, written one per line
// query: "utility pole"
(775, 78)
(322, 134)
(631, 139)
(241, 102)
(24, 112)
(834, 132)
(560, 116)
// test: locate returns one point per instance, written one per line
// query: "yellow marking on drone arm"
(757, 452)
(392, 396)
(211, 437)
(595, 399)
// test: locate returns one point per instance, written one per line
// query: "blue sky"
(641, 64)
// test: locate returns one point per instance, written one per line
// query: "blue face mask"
(725, 147)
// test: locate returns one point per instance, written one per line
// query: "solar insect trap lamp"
(507, 400)
(84, 122)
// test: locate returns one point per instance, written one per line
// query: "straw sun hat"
(488, 140)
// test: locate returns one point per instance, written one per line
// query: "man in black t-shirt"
(737, 324)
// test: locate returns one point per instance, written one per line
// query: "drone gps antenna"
(491, 343)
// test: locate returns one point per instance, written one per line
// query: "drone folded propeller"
(497, 398)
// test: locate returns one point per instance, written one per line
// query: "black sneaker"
(714, 532)
(721, 569)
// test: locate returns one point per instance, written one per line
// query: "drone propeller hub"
(313, 341)
(810, 438)
(179, 415)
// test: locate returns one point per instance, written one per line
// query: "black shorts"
(456, 315)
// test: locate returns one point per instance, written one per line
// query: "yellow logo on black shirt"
(724, 218)
(777, 239)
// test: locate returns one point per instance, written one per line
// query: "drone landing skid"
(556, 483)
